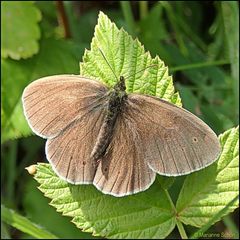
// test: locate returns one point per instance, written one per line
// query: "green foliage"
(64, 230)
(231, 23)
(81, 202)
(17, 75)
(200, 64)
(126, 57)
(159, 32)
(106, 215)
(206, 192)
(201, 52)
(22, 43)
(202, 196)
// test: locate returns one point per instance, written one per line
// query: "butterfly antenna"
(154, 65)
(108, 63)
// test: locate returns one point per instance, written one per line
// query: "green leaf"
(149, 214)
(55, 57)
(144, 215)
(20, 30)
(23, 224)
(126, 57)
(207, 192)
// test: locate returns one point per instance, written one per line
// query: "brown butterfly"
(114, 140)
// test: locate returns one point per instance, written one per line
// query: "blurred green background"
(198, 41)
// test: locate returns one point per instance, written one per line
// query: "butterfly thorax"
(116, 98)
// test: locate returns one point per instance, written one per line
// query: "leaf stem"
(198, 65)
(184, 27)
(127, 13)
(179, 224)
(181, 230)
(62, 19)
(170, 200)
(174, 23)
(11, 170)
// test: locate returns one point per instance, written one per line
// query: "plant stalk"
(143, 9)
(62, 19)
(199, 65)
(127, 13)
(179, 224)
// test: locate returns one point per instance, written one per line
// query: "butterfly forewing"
(174, 141)
(69, 110)
(52, 103)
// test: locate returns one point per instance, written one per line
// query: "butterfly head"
(120, 85)
(119, 90)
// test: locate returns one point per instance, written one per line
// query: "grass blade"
(231, 24)
(23, 224)
(127, 12)
(229, 223)
(203, 229)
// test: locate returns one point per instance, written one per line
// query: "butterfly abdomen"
(103, 140)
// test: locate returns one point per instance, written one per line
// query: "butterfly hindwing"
(123, 169)
(69, 152)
